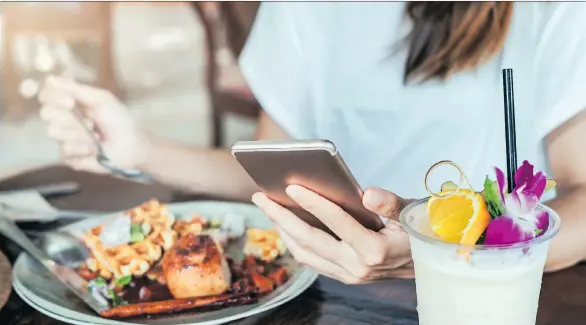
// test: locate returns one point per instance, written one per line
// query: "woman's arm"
(210, 171)
(200, 170)
(560, 67)
(567, 156)
(276, 73)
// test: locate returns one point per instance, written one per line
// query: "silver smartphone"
(313, 164)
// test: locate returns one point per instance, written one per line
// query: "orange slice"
(460, 218)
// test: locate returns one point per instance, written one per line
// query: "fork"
(104, 160)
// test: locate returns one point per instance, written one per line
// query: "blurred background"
(172, 63)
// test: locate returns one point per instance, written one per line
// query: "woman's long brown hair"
(448, 37)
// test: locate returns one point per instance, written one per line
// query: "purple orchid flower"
(521, 220)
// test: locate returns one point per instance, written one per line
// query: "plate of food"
(185, 263)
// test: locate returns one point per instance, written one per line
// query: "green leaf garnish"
(215, 223)
(136, 234)
(492, 198)
(99, 281)
(116, 299)
(135, 227)
(538, 231)
(136, 237)
(123, 281)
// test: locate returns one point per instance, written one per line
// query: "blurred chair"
(62, 21)
(230, 22)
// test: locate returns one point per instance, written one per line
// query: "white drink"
(475, 286)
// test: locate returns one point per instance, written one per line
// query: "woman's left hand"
(362, 255)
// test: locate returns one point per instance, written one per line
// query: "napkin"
(27, 200)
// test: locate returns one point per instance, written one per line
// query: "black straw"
(511, 141)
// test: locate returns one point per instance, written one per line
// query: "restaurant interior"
(172, 63)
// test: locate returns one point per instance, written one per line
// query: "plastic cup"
(475, 285)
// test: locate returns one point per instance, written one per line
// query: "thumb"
(383, 203)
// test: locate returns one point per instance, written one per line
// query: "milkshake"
(479, 259)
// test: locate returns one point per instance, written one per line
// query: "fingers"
(389, 205)
(387, 248)
(303, 234)
(316, 262)
(299, 237)
(111, 116)
(65, 128)
(64, 119)
(361, 256)
(335, 218)
(55, 114)
(383, 203)
(353, 273)
(86, 95)
(56, 98)
(356, 260)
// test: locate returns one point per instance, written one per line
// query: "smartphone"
(313, 164)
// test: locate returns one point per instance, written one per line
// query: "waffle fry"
(137, 258)
(153, 213)
(194, 226)
(264, 244)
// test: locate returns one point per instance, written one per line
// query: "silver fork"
(62, 267)
(105, 161)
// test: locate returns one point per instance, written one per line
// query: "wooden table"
(563, 298)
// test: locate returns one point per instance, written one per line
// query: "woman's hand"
(123, 141)
(361, 255)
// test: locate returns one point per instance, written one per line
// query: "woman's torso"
(390, 134)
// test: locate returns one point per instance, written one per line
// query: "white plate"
(293, 292)
(47, 295)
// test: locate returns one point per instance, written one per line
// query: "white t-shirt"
(327, 70)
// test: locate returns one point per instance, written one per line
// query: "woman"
(397, 87)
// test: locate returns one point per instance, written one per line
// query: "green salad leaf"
(123, 281)
(492, 198)
(135, 227)
(215, 223)
(136, 237)
(136, 234)
(116, 299)
(99, 281)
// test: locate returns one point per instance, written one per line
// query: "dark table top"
(562, 302)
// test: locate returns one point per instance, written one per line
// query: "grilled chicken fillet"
(195, 266)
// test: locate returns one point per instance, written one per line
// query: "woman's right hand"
(123, 141)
